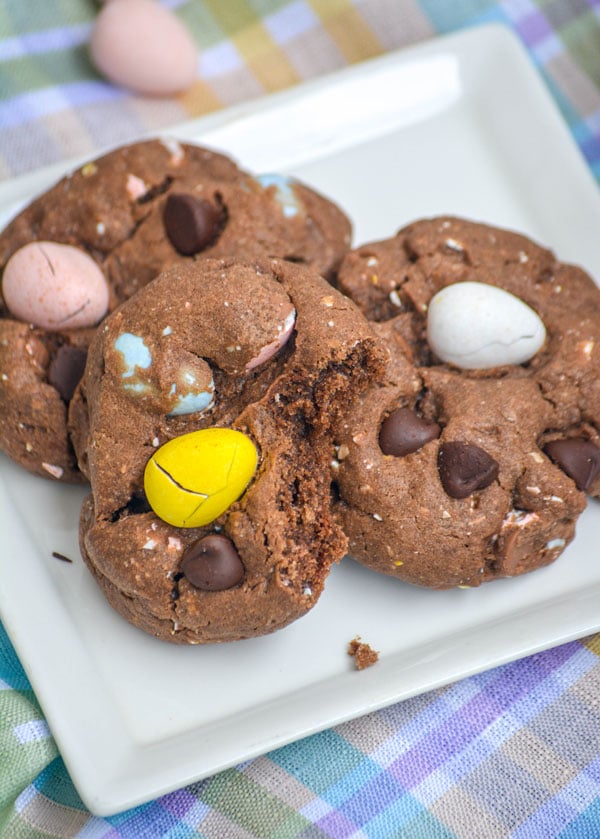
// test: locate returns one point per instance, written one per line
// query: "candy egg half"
(192, 479)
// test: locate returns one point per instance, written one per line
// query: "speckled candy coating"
(114, 211)
(483, 472)
(268, 554)
(476, 326)
(54, 286)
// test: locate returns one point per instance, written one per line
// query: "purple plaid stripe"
(446, 740)
(534, 28)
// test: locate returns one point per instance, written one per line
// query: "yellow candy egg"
(192, 479)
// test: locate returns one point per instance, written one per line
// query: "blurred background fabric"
(514, 751)
(54, 105)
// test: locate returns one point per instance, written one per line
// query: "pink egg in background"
(55, 286)
(143, 46)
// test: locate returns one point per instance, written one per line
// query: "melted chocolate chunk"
(464, 468)
(578, 457)
(66, 369)
(403, 432)
(190, 223)
(213, 564)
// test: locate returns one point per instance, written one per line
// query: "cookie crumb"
(62, 557)
(364, 655)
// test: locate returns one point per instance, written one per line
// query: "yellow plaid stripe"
(348, 29)
(263, 56)
(200, 98)
(593, 644)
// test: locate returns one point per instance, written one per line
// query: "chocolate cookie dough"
(205, 421)
(474, 466)
(126, 217)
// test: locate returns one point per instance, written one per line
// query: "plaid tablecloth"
(512, 752)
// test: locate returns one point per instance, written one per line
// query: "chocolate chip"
(66, 369)
(403, 432)
(190, 223)
(578, 457)
(212, 564)
(464, 468)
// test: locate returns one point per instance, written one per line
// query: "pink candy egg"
(54, 286)
(284, 332)
(142, 45)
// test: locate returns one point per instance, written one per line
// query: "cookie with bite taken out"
(102, 233)
(473, 461)
(204, 422)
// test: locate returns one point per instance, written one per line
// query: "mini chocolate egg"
(476, 326)
(186, 385)
(192, 479)
(282, 188)
(55, 286)
(284, 332)
(143, 46)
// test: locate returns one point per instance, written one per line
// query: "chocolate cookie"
(124, 218)
(205, 421)
(474, 460)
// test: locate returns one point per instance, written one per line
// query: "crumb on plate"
(363, 654)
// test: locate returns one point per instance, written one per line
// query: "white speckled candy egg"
(476, 326)
(54, 286)
(144, 46)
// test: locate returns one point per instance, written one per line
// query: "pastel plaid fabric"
(54, 106)
(512, 752)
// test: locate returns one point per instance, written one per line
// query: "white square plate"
(461, 125)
